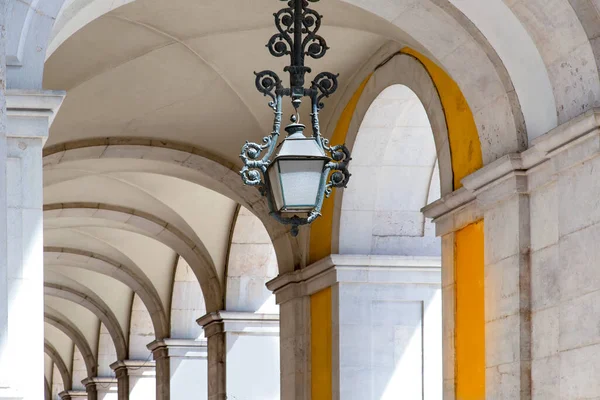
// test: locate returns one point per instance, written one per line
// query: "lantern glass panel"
(296, 183)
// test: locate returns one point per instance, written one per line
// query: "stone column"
(243, 355)
(73, 395)
(181, 368)
(361, 328)
(102, 388)
(136, 379)
(22, 135)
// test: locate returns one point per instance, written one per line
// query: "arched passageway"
(129, 241)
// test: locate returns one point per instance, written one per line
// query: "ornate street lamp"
(305, 169)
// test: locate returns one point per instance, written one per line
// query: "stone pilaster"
(504, 202)
(384, 320)
(243, 355)
(136, 379)
(22, 135)
(101, 388)
(181, 368)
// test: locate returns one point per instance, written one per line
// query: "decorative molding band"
(31, 113)
(134, 367)
(244, 323)
(571, 143)
(338, 268)
(72, 395)
(99, 380)
(179, 348)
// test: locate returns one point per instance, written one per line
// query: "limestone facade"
(135, 265)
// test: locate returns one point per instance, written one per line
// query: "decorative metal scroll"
(297, 36)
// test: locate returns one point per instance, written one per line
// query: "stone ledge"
(30, 113)
(135, 367)
(179, 348)
(566, 145)
(338, 268)
(247, 323)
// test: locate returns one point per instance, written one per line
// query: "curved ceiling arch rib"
(136, 280)
(60, 364)
(424, 25)
(193, 250)
(62, 323)
(183, 162)
(94, 304)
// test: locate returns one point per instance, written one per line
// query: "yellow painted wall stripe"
(320, 345)
(470, 313)
(465, 146)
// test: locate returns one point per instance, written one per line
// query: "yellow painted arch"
(466, 158)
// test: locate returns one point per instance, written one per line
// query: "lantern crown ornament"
(306, 168)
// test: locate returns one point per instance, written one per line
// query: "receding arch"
(139, 283)
(395, 175)
(407, 70)
(154, 227)
(59, 363)
(63, 324)
(194, 165)
(94, 304)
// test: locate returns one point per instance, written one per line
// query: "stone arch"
(63, 324)
(407, 71)
(136, 280)
(94, 304)
(192, 164)
(60, 364)
(154, 227)
(394, 151)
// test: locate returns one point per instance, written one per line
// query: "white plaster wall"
(389, 341)
(79, 370)
(393, 170)
(187, 304)
(142, 387)
(252, 263)
(107, 354)
(109, 393)
(189, 378)
(141, 331)
(252, 366)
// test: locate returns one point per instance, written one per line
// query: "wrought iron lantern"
(305, 168)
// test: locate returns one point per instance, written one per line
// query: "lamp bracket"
(297, 37)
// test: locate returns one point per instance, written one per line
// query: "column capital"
(133, 368)
(342, 268)
(99, 380)
(561, 148)
(178, 348)
(239, 322)
(30, 113)
(72, 395)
